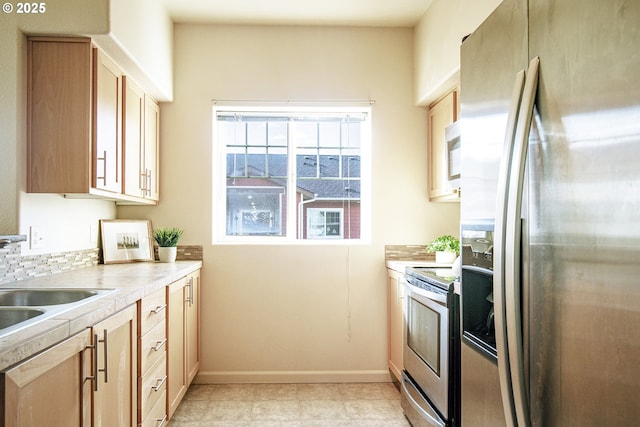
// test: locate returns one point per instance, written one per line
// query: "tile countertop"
(130, 281)
(400, 265)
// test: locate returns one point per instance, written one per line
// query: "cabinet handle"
(158, 309)
(106, 358)
(159, 383)
(189, 298)
(94, 352)
(148, 183)
(104, 173)
(161, 421)
(143, 182)
(159, 345)
(190, 291)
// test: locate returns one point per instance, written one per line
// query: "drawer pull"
(158, 309)
(161, 421)
(159, 345)
(159, 383)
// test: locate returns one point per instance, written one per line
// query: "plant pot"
(167, 253)
(445, 257)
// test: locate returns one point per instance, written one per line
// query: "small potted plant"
(446, 249)
(167, 240)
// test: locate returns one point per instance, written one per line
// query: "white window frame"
(219, 235)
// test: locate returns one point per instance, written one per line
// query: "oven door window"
(423, 333)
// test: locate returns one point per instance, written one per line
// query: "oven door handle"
(431, 419)
(433, 296)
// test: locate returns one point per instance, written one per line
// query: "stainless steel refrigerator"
(550, 117)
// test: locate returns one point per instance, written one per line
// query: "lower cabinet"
(115, 356)
(395, 322)
(50, 388)
(152, 359)
(86, 380)
(183, 350)
(131, 369)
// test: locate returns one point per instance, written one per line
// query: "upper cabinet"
(151, 160)
(141, 143)
(87, 134)
(107, 125)
(442, 113)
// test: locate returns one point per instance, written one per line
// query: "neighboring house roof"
(324, 180)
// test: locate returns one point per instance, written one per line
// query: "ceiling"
(383, 13)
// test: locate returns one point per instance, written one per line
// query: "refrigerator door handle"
(513, 238)
(499, 251)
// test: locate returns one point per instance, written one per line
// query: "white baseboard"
(274, 377)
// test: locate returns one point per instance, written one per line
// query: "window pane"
(256, 163)
(256, 133)
(256, 211)
(277, 159)
(306, 134)
(351, 134)
(351, 166)
(307, 166)
(236, 164)
(278, 134)
(329, 165)
(329, 134)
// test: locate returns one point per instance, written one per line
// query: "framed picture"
(126, 240)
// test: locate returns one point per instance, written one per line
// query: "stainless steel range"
(430, 383)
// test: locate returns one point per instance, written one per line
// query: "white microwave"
(452, 141)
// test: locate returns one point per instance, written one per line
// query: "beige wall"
(438, 36)
(283, 313)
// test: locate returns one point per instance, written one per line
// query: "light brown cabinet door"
(133, 131)
(183, 327)
(50, 388)
(176, 372)
(115, 400)
(59, 109)
(192, 334)
(141, 143)
(151, 164)
(442, 113)
(395, 322)
(107, 160)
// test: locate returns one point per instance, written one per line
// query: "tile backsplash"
(407, 253)
(15, 267)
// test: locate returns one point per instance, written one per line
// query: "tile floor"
(291, 405)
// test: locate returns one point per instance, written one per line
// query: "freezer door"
(583, 219)
(490, 59)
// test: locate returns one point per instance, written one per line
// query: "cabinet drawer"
(152, 387)
(153, 310)
(158, 414)
(153, 346)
